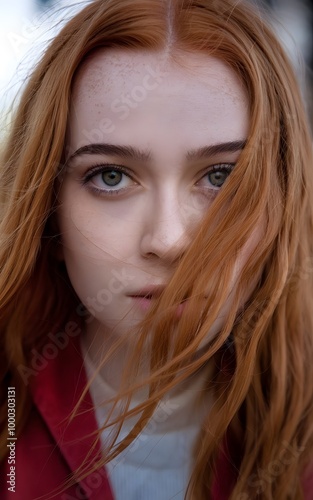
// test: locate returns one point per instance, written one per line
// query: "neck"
(97, 344)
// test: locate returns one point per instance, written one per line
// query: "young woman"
(156, 262)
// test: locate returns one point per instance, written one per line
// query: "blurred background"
(27, 25)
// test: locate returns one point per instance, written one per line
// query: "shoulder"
(38, 466)
(54, 443)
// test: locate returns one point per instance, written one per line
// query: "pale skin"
(114, 245)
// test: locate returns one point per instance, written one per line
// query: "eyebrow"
(223, 147)
(113, 149)
(134, 153)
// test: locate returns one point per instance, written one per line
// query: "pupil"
(112, 178)
(218, 178)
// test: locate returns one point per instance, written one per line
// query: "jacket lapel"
(56, 390)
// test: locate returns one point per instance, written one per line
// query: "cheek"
(84, 233)
(92, 251)
(82, 252)
(88, 269)
(96, 226)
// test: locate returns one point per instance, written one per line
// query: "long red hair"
(265, 402)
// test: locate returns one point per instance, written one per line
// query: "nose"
(167, 228)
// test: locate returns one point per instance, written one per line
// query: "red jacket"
(51, 447)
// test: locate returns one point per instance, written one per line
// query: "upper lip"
(148, 291)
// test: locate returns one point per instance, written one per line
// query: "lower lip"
(144, 304)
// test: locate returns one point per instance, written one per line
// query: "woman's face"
(150, 143)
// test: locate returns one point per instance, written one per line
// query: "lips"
(144, 297)
(150, 292)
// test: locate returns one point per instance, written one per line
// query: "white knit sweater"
(157, 465)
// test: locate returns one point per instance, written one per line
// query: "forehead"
(128, 87)
(118, 69)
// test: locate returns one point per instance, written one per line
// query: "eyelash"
(107, 167)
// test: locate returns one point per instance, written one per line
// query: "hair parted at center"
(265, 399)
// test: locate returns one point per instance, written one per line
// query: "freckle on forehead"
(103, 69)
(98, 72)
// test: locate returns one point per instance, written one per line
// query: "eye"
(217, 175)
(111, 177)
(108, 179)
